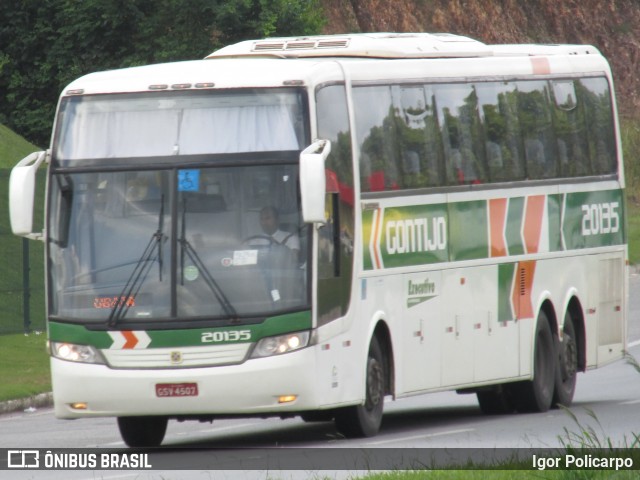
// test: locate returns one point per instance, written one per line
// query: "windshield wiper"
(151, 254)
(211, 282)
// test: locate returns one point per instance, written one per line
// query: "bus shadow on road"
(296, 433)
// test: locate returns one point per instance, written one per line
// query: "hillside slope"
(613, 26)
(13, 147)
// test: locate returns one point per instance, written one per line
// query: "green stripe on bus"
(513, 230)
(414, 235)
(594, 219)
(427, 234)
(505, 290)
(468, 227)
(554, 209)
(367, 226)
(277, 325)
(78, 334)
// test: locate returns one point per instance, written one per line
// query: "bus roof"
(309, 61)
(389, 45)
(372, 45)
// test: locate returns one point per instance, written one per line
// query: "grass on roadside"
(633, 229)
(13, 147)
(24, 366)
(503, 475)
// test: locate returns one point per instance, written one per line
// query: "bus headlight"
(280, 344)
(76, 353)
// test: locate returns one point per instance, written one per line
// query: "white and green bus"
(305, 226)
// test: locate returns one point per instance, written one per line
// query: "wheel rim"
(569, 360)
(375, 380)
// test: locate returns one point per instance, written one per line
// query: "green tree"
(44, 44)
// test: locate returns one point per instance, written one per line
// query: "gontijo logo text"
(416, 235)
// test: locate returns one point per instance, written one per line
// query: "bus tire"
(567, 367)
(364, 420)
(140, 432)
(496, 401)
(536, 395)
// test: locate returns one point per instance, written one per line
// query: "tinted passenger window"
(594, 95)
(427, 135)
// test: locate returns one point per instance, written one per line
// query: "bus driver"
(270, 223)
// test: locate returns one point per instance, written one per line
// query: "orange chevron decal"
(533, 216)
(522, 286)
(497, 217)
(377, 219)
(132, 340)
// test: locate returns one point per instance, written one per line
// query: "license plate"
(176, 389)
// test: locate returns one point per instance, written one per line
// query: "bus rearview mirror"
(22, 188)
(313, 182)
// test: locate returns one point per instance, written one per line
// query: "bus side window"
(376, 131)
(335, 238)
(461, 134)
(329, 241)
(418, 137)
(595, 97)
(498, 108)
(569, 125)
(537, 129)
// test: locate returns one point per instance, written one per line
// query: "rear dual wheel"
(567, 366)
(555, 369)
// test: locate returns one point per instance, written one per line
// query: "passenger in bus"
(536, 161)
(463, 162)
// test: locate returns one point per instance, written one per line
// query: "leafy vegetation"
(45, 45)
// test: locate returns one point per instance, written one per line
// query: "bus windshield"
(206, 228)
(222, 242)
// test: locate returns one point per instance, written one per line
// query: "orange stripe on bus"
(522, 286)
(497, 216)
(376, 238)
(533, 217)
(540, 65)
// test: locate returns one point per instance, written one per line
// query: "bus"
(309, 226)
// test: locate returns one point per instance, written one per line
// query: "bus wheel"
(567, 369)
(536, 395)
(496, 401)
(364, 420)
(142, 431)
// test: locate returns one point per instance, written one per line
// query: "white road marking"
(423, 436)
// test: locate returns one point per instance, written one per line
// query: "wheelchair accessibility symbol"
(188, 180)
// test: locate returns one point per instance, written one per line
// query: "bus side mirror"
(313, 182)
(22, 189)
